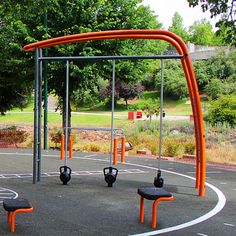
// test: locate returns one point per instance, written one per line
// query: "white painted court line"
(53, 174)
(231, 225)
(7, 194)
(200, 234)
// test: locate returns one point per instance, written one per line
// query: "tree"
(226, 10)
(177, 27)
(77, 16)
(175, 85)
(222, 111)
(151, 107)
(221, 72)
(201, 33)
(15, 83)
(130, 91)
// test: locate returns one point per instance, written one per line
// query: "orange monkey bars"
(181, 48)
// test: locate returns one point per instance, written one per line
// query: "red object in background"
(132, 115)
(139, 114)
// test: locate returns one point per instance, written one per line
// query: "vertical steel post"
(161, 113)
(112, 109)
(45, 133)
(67, 109)
(35, 154)
(40, 115)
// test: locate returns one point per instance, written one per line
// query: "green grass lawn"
(25, 117)
(55, 119)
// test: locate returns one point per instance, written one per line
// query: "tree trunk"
(126, 103)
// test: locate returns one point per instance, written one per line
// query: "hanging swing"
(65, 171)
(110, 173)
(158, 180)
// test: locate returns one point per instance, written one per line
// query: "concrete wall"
(199, 52)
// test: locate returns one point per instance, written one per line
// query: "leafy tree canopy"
(177, 26)
(201, 33)
(24, 23)
(226, 10)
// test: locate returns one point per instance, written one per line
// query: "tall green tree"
(201, 33)
(226, 10)
(178, 28)
(26, 19)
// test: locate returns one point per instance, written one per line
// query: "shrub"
(222, 111)
(13, 136)
(189, 147)
(55, 136)
(171, 147)
(151, 107)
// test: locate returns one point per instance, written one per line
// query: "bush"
(13, 136)
(151, 107)
(55, 136)
(189, 147)
(171, 147)
(222, 111)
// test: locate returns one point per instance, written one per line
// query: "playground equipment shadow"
(86, 206)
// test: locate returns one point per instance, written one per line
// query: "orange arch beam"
(181, 48)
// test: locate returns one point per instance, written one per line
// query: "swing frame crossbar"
(99, 58)
(167, 36)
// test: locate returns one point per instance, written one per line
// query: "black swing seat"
(153, 193)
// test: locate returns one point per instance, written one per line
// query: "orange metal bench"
(155, 194)
(14, 206)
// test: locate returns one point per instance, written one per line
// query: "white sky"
(165, 10)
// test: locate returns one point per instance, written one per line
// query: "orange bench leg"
(11, 216)
(154, 209)
(141, 216)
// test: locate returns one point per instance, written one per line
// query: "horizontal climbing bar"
(97, 58)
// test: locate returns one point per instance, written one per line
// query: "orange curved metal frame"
(181, 48)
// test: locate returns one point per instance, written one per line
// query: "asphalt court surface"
(86, 206)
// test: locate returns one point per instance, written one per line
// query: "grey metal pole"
(67, 109)
(161, 112)
(112, 109)
(40, 116)
(45, 133)
(35, 154)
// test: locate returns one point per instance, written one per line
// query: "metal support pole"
(39, 116)
(45, 133)
(67, 109)
(112, 109)
(35, 154)
(161, 113)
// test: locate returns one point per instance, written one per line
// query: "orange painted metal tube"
(70, 147)
(154, 209)
(180, 46)
(62, 147)
(115, 151)
(13, 215)
(141, 214)
(122, 149)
